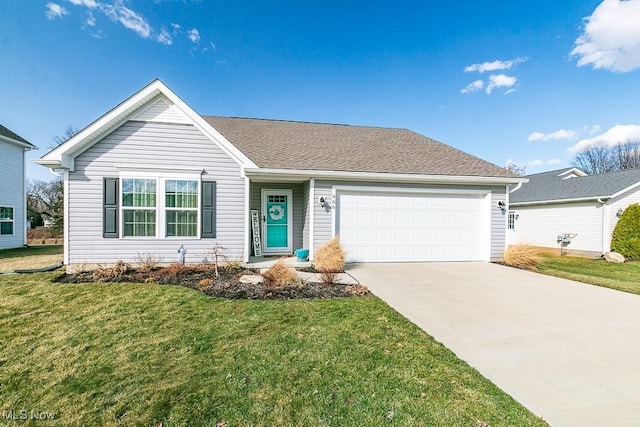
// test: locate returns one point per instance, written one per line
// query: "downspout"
(65, 220)
(516, 188)
(604, 218)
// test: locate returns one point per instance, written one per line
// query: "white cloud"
(534, 164)
(118, 12)
(88, 3)
(473, 87)
(494, 65)
(594, 129)
(164, 38)
(90, 21)
(559, 134)
(54, 11)
(500, 80)
(193, 35)
(611, 37)
(617, 135)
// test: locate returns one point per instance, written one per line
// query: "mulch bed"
(226, 285)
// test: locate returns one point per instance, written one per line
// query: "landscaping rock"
(614, 257)
(251, 279)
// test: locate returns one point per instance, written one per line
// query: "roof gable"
(8, 135)
(554, 186)
(154, 102)
(279, 144)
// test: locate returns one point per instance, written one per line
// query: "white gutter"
(548, 202)
(380, 176)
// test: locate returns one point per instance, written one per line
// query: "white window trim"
(160, 208)
(13, 221)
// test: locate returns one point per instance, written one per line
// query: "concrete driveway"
(568, 351)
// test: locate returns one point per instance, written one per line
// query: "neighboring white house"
(568, 201)
(152, 175)
(13, 210)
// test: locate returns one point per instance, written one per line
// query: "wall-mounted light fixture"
(327, 203)
(502, 205)
(620, 212)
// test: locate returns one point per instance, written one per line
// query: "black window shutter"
(110, 208)
(208, 209)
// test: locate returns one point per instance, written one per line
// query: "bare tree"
(627, 156)
(515, 168)
(595, 158)
(69, 132)
(44, 200)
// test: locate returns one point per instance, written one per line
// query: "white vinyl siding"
(152, 145)
(12, 193)
(323, 221)
(541, 225)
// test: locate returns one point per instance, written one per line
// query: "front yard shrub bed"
(226, 285)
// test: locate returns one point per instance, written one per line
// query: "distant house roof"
(572, 184)
(279, 144)
(7, 133)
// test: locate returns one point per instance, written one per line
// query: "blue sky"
(526, 81)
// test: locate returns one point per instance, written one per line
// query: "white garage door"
(392, 227)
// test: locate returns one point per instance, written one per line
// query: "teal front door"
(276, 215)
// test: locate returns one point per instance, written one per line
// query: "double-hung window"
(160, 207)
(6, 221)
(181, 207)
(139, 207)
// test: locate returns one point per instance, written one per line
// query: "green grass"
(134, 354)
(623, 277)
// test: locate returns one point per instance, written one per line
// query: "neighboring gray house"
(152, 175)
(13, 210)
(568, 201)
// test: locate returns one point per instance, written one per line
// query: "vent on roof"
(572, 173)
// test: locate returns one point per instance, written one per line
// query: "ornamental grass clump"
(279, 274)
(329, 260)
(521, 256)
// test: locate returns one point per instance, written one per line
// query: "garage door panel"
(411, 227)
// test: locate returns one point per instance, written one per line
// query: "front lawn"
(623, 277)
(30, 257)
(145, 354)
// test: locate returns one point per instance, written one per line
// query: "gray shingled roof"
(278, 144)
(550, 186)
(12, 135)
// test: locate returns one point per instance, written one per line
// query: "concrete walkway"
(568, 351)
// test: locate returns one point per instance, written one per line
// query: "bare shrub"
(111, 274)
(357, 290)
(329, 260)
(205, 283)
(218, 254)
(177, 268)
(279, 274)
(521, 256)
(147, 261)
